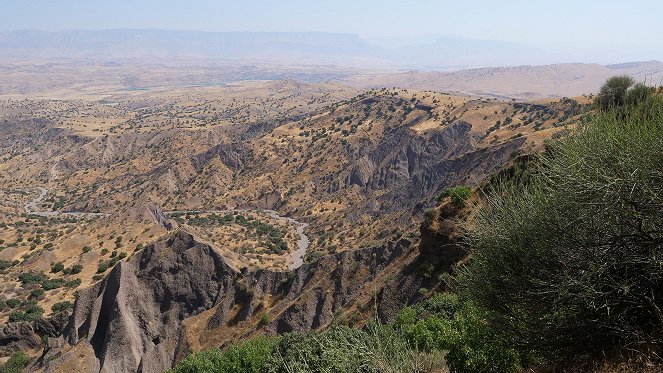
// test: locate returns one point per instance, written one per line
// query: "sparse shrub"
(429, 214)
(75, 269)
(444, 323)
(31, 278)
(619, 91)
(569, 264)
(264, 318)
(51, 284)
(102, 267)
(16, 316)
(61, 306)
(73, 283)
(458, 194)
(16, 363)
(248, 357)
(37, 293)
(57, 267)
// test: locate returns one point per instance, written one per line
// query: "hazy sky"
(637, 22)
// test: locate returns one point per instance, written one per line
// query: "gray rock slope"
(132, 321)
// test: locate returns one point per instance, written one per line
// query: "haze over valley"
(266, 193)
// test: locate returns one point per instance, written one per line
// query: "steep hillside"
(179, 295)
(117, 176)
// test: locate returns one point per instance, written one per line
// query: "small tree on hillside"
(613, 92)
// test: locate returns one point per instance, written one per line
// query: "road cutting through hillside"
(302, 243)
(32, 208)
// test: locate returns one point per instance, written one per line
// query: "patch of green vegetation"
(57, 267)
(61, 307)
(567, 264)
(458, 194)
(248, 357)
(16, 363)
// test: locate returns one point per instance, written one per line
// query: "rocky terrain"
(180, 295)
(228, 207)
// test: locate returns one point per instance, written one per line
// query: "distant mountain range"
(524, 82)
(440, 53)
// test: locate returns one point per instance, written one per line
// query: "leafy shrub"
(16, 316)
(57, 267)
(33, 312)
(75, 269)
(31, 278)
(73, 283)
(37, 293)
(569, 265)
(444, 323)
(458, 194)
(50, 284)
(16, 363)
(4, 264)
(637, 94)
(102, 267)
(613, 92)
(248, 357)
(264, 318)
(619, 92)
(13, 303)
(61, 306)
(377, 348)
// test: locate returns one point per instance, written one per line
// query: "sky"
(561, 21)
(604, 31)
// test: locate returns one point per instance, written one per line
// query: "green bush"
(61, 306)
(37, 293)
(444, 323)
(570, 264)
(75, 269)
(619, 92)
(613, 92)
(248, 357)
(264, 318)
(16, 363)
(33, 312)
(73, 283)
(377, 348)
(458, 194)
(13, 303)
(50, 284)
(637, 94)
(16, 316)
(57, 267)
(31, 278)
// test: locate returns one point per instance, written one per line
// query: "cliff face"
(179, 295)
(131, 318)
(410, 166)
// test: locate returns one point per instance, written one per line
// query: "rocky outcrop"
(134, 319)
(411, 167)
(27, 335)
(230, 155)
(157, 215)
